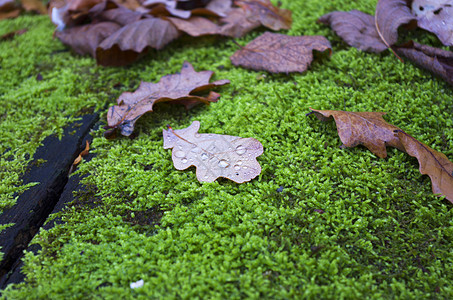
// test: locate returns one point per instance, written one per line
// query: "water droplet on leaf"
(223, 163)
(180, 153)
(241, 150)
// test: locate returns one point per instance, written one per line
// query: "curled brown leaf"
(432, 163)
(173, 87)
(363, 128)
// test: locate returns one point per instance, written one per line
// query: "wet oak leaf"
(432, 163)
(173, 87)
(214, 155)
(363, 128)
(279, 53)
(356, 28)
(435, 16)
(437, 61)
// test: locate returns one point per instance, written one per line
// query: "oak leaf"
(389, 16)
(432, 163)
(435, 60)
(371, 130)
(356, 28)
(8, 9)
(234, 24)
(436, 17)
(264, 12)
(279, 53)
(178, 87)
(363, 128)
(214, 155)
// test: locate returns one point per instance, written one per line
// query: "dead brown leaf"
(363, 128)
(356, 28)
(8, 9)
(432, 163)
(214, 155)
(12, 34)
(86, 39)
(34, 5)
(437, 61)
(436, 17)
(132, 40)
(234, 24)
(173, 87)
(264, 12)
(372, 131)
(389, 16)
(279, 53)
(78, 159)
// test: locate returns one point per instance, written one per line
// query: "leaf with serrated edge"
(173, 87)
(432, 163)
(214, 155)
(363, 128)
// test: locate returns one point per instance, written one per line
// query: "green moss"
(319, 222)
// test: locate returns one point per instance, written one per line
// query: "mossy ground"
(382, 234)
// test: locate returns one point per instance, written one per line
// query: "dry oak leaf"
(174, 87)
(363, 128)
(279, 53)
(437, 61)
(435, 16)
(356, 28)
(214, 155)
(432, 163)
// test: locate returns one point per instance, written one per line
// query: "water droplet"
(240, 150)
(197, 135)
(244, 167)
(195, 149)
(184, 160)
(239, 162)
(236, 167)
(204, 156)
(180, 153)
(223, 163)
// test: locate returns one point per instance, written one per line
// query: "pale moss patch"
(382, 234)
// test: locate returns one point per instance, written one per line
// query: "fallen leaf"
(173, 87)
(435, 16)
(214, 155)
(266, 13)
(135, 37)
(86, 39)
(12, 34)
(363, 128)
(432, 163)
(437, 61)
(8, 9)
(389, 16)
(78, 159)
(234, 24)
(356, 28)
(279, 53)
(34, 5)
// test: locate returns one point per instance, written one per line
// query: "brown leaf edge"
(436, 165)
(432, 163)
